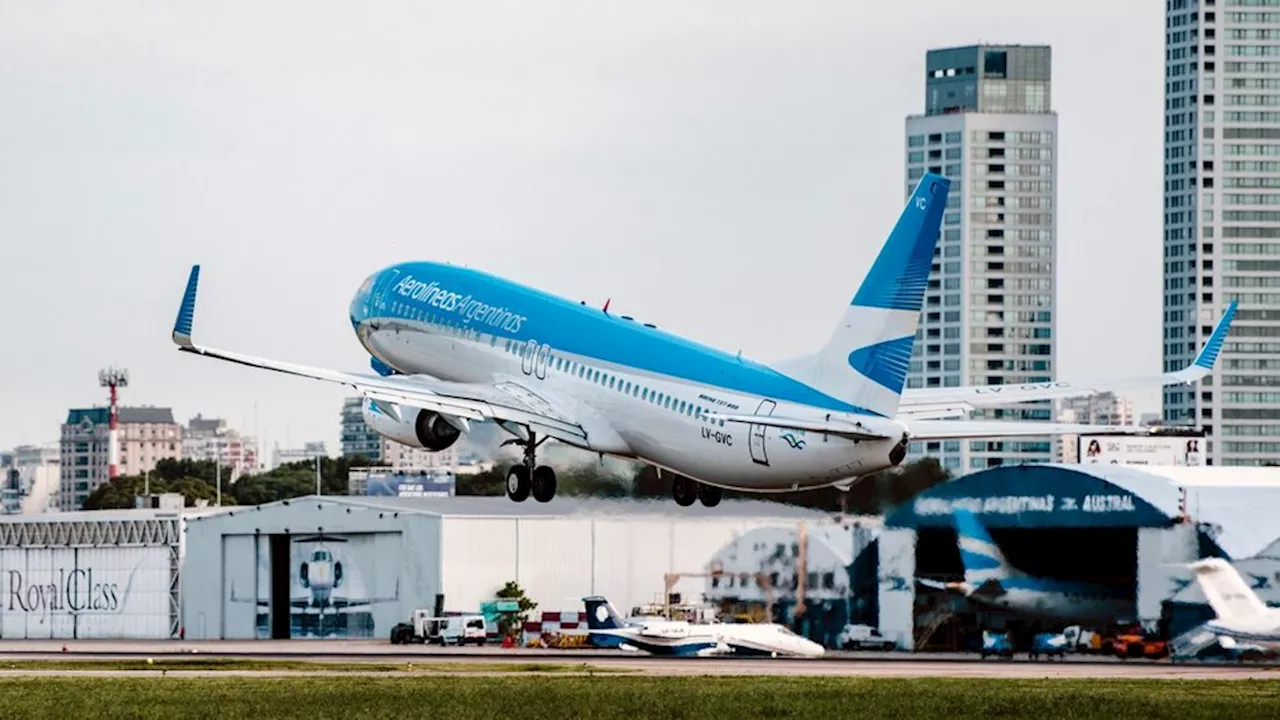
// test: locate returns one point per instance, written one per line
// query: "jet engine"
(425, 429)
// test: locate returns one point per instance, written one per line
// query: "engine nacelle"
(418, 428)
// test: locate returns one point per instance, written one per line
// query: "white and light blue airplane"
(659, 636)
(1242, 620)
(990, 580)
(452, 345)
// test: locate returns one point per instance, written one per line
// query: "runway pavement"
(347, 652)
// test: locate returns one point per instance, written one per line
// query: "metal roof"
(102, 415)
(1240, 504)
(1237, 507)
(113, 515)
(501, 506)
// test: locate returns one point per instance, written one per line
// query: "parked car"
(998, 644)
(1049, 645)
(863, 637)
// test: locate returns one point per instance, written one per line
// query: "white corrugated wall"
(558, 561)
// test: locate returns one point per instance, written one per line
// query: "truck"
(448, 630)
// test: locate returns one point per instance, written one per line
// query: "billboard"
(85, 593)
(340, 585)
(1140, 450)
(428, 483)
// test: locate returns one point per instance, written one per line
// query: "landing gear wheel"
(544, 483)
(518, 484)
(709, 495)
(684, 490)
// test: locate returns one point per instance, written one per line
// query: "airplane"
(451, 345)
(320, 575)
(681, 638)
(990, 580)
(1242, 620)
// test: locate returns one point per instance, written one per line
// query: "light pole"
(217, 467)
(318, 475)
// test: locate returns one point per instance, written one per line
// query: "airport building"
(92, 574)
(989, 312)
(1221, 222)
(354, 567)
(1130, 529)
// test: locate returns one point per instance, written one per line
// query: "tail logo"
(602, 613)
(793, 442)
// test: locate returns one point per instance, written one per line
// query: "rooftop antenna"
(114, 379)
(606, 305)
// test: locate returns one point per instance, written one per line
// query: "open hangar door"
(945, 620)
(311, 585)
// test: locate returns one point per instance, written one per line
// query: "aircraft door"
(540, 361)
(527, 357)
(756, 433)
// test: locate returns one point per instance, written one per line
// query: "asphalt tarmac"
(834, 664)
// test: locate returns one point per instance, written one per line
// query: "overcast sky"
(726, 170)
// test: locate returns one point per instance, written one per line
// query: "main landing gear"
(530, 478)
(686, 491)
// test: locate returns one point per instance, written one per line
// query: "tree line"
(196, 480)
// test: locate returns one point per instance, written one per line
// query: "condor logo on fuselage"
(723, 438)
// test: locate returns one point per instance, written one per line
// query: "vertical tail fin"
(601, 615)
(1228, 594)
(865, 361)
(979, 553)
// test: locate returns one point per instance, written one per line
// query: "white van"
(456, 630)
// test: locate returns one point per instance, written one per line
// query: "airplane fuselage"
(638, 392)
(1263, 634)
(1076, 606)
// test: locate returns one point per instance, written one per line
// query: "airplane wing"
(927, 429)
(994, 429)
(505, 402)
(958, 402)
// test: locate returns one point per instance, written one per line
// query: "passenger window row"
(560, 364)
(626, 387)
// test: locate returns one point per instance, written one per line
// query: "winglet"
(1209, 353)
(187, 311)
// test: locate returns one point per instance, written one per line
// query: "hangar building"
(92, 574)
(1131, 527)
(354, 567)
